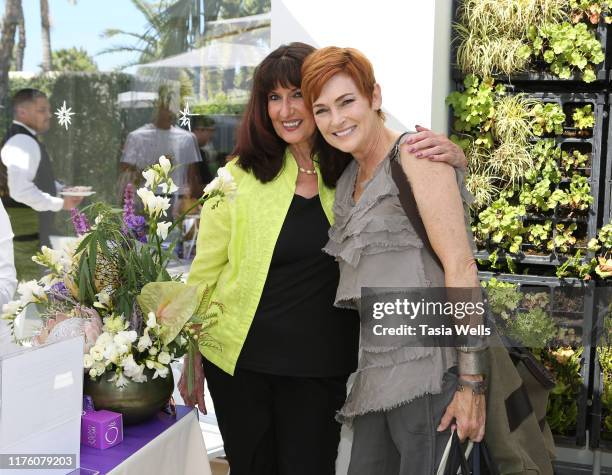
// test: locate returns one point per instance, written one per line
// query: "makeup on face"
(343, 115)
(291, 120)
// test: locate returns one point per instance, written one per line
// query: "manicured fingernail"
(411, 149)
(419, 155)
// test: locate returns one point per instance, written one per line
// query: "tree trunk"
(7, 43)
(20, 50)
(46, 35)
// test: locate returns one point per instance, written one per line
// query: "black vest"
(44, 180)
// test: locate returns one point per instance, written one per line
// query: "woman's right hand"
(197, 395)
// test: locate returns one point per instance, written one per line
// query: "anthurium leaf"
(173, 303)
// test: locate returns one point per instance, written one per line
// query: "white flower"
(87, 361)
(97, 351)
(48, 280)
(152, 351)
(144, 342)
(164, 358)
(99, 368)
(104, 339)
(167, 188)
(161, 371)
(92, 373)
(30, 292)
(11, 308)
(111, 353)
(224, 182)
(162, 229)
(151, 177)
(133, 370)
(165, 164)
(121, 381)
(147, 197)
(150, 363)
(151, 321)
(129, 336)
(161, 205)
(50, 258)
(103, 300)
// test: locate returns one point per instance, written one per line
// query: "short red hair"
(320, 66)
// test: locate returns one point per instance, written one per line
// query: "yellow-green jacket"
(234, 249)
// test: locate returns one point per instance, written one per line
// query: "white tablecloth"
(179, 450)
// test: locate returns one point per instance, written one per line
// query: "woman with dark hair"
(286, 351)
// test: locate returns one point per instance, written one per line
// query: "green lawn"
(25, 221)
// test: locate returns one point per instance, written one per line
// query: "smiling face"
(291, 120)
(345, 117)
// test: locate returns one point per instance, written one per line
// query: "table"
(163, 445)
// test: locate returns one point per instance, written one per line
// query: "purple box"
(101, 429)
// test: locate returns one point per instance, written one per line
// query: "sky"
(80, 25)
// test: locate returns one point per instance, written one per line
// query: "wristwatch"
(478, 387)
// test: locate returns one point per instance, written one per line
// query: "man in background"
(203, 127)
(145, 145)
(26, 163)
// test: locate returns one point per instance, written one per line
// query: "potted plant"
(113, 287)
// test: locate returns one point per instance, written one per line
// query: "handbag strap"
(406, 198)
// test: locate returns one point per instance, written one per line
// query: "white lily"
(224, 182)
(151, 320)
(165, 164)
(162, 229)
(150, 177)
(30, 291)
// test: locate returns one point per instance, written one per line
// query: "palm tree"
(172, 28)
(46, 35)
(7, 43)
(20, 48)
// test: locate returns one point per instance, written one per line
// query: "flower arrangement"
(112, 286)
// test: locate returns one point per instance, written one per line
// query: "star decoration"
(63, 115)
(184, 117)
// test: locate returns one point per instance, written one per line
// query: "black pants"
(277, 425)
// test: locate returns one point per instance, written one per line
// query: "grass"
(25, 221)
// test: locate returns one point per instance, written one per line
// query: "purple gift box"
(101, 429)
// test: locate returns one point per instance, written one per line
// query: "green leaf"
(173, 303)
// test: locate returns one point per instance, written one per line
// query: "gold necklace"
(308, 172)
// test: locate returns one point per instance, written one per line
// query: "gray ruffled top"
(376, 245)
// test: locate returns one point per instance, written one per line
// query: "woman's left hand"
(437, 147)
(469, 412)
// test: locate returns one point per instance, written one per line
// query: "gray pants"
(404, 440)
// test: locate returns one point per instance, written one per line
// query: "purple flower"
(132, 222)
(59, 292)
(79, 221)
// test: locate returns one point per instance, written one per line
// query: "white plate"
(77, 193)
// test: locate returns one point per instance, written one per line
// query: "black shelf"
(586, 290)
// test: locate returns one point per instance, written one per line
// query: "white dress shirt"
(145, 145)
(8, 277)
(21, 157)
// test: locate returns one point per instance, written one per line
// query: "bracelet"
(472, 362)
(478, 387)
(472, 349)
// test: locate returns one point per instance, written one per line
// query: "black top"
(296, 330)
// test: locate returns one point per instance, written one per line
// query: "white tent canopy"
(216, 55)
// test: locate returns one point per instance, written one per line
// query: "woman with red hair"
(285, 352)
(403, 399)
